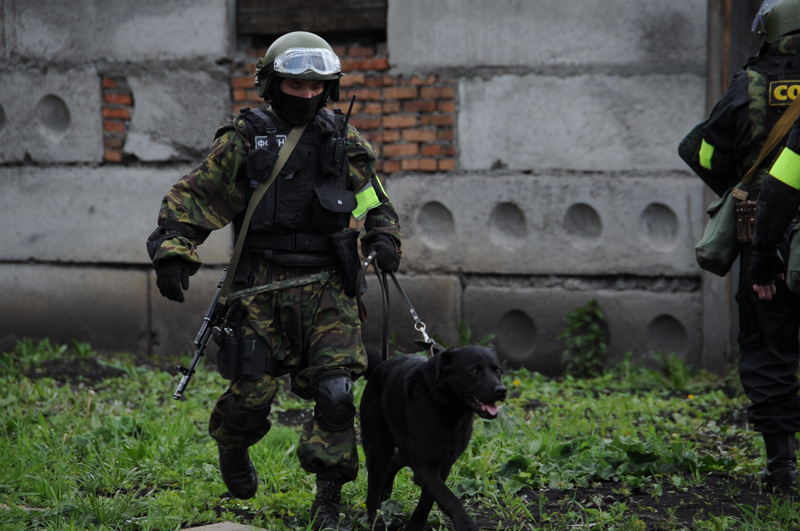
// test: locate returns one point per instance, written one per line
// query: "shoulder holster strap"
(776, 134)
(262, 114)
(283, 155)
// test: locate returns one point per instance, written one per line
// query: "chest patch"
(783, 93)
(264, 142)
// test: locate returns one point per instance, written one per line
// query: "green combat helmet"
(300, 55)
(776, 18)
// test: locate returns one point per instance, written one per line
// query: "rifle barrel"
(181, 387)
(201, 340)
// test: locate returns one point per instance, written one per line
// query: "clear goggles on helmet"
(300, 61)
(766, 6)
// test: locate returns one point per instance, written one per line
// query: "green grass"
(122, 454)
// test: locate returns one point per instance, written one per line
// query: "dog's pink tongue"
(490, 409)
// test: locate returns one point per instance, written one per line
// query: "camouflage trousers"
(311, 330)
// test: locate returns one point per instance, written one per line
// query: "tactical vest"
(773, 84)
(311, 197)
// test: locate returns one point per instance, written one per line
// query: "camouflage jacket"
(214, 194)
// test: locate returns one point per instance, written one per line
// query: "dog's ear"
(443, 361)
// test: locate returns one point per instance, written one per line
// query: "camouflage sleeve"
(373, 202)
(206, 199)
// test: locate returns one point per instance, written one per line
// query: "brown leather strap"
(779, 130)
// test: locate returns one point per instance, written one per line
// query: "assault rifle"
(201, 341)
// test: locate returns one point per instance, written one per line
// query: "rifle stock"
(211, 318)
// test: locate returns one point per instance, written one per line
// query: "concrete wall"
(72, 259)
(567, 185)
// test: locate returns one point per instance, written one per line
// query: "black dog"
(424, 408)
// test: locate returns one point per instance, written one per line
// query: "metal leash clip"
(426, 342)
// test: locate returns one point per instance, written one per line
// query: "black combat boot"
(781, 472)
(238, 472)
(325, 509)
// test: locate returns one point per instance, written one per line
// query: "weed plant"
(118, 453)
(585, 338)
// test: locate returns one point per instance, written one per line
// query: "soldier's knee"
(334, 409)
(238, 417)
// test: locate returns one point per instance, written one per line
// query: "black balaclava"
(296, 110)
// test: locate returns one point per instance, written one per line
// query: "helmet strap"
(273, 92)
(327, 93)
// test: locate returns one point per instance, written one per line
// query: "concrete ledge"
(112, 309)
(115, 310)
(527, 322)
(89, 214)
(543, 225)
(107, 308)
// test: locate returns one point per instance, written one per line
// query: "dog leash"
(426, 342)
(362, 309)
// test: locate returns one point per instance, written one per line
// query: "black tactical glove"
(387, 255)
(172, 277)
(765, 267)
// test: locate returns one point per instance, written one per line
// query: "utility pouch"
(336, 207)
(718, 248)
(345, 248)
(228, 355)
(745, 220)
(259, 164)
(245, 358)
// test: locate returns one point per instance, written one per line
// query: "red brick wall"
(117, 108)
(409, 120)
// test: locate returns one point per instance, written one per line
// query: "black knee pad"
(334, 409)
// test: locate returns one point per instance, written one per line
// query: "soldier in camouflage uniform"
(721, 150)
(298, 239)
